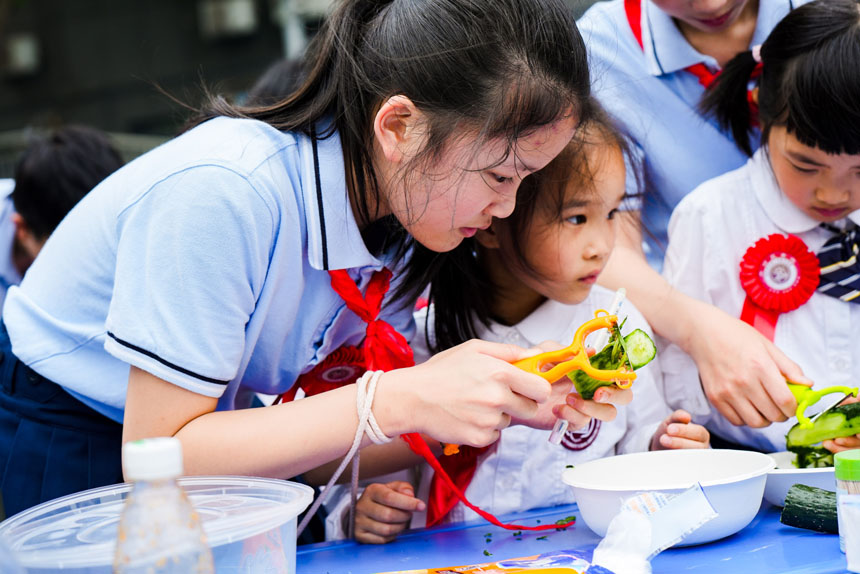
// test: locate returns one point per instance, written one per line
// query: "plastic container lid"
(79, 530)
(152, 459)
(847, 464)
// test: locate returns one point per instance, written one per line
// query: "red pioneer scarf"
(633, 10)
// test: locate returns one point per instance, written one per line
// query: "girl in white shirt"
(745, 241)
(525, 280)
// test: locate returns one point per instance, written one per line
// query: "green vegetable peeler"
(806, 397)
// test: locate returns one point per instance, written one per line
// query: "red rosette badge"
(341, 367)
(779, 274)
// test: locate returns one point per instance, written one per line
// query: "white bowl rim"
(776, 470)
(670, 485)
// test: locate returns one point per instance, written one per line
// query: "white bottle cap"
(152, 459)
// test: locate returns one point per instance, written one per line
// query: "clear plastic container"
(847, 470)
(250, 524)
(8, 562)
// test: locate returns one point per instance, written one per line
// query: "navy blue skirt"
(51, 444)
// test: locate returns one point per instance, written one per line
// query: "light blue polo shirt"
(8, 273)
(653, 96)
(202, 262)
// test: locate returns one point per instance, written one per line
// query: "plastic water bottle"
(159, 530)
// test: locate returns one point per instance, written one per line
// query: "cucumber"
(810, 508)
(842, 421)
(640, 348)
(812, 457)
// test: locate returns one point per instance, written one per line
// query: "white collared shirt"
(524, 469)
(202, 262)
(709, 233)
(649, 92)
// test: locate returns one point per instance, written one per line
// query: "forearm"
(376, 460)
(665, 308)
(279, 441)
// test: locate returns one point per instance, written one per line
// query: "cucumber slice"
(842, 421)
(640, 348)
(811, 508)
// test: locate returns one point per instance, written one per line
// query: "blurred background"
(103, 62)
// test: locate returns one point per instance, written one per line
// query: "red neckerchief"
(633, 10)
(385, 349)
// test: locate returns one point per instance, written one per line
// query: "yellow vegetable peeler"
(575, 357)
(806, 397)
(571, 358)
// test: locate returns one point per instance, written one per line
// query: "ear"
(754, 95)
(487, 238)
(395, 128)
(21, 227)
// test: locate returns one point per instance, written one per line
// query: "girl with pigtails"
(775, 241)
(239, 256)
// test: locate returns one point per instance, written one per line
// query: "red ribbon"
(779, 274)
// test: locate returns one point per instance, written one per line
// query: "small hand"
(384, 511)
(844, 443)
(677, 431)
(579, 412)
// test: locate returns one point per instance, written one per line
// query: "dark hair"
(500, 68)
(56, 171)
(276, 83)
(810, 80)
(461, 294)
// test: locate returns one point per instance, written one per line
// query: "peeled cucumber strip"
(842, 421)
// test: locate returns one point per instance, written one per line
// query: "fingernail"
(672, 429)
(572, 400)
(666, 440)
(421, 506)
(600, 397)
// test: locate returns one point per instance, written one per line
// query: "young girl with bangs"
(253, 251)
(525, 280)
(747, 241)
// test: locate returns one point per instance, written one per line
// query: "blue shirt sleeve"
(192, 256)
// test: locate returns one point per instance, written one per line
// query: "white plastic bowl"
(250, 523)
(780, 479)
(733, 481)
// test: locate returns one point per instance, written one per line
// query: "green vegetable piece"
(541, 538)
(487, 553)
(639, 345)
(842, 421)
(811, 508)
(812, 457)
(566, 519)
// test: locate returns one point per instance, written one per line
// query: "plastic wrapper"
(647, 524)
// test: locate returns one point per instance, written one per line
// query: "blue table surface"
(763, 546)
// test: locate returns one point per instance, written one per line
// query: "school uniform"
(203, 262)
(523, 469)
(709, 234)
(8, 273)
(649, 90)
